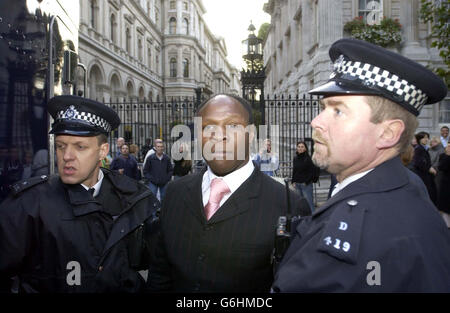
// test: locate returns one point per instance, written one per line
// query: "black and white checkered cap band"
(73, 114)
(371, 75)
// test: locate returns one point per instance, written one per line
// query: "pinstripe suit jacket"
(229, 253)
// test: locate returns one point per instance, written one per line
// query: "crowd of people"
(230, 227)
(149, 164)
(429, 159)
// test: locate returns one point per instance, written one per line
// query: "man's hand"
(433, 171)
(121, 171)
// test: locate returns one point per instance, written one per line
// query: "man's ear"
(104, 149)
(389, 133)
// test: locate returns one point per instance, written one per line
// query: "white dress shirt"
(97, 185)
(444, 141)
(233, 180)
(339, 186)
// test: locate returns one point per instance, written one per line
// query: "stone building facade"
(301, 32)
(151, 49)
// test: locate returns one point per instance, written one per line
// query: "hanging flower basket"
(387, 33)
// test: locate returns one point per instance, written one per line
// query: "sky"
(230, 19)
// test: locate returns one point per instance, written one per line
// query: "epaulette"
(23, 185)
(342, 234)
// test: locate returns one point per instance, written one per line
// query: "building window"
(444, 112)
(185, 6)
(128, 40)
(149, 59)
(371, 11)
(92, 14)
(185, 29)
(157, 63)
(173, 67)
(140, 50)
(172, 25)
(113, 28)
(173, 5)
(185, 68)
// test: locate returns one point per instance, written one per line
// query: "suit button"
(197, 287)
(208, 228)
(201, 257)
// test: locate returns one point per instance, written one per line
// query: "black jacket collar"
(387, 176)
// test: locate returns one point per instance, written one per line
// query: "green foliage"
(263, 31)
(385, 34)
(439, 15)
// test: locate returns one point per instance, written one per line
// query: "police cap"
(365, 69)
(79, 116)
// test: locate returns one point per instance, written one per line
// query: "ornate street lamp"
(253, 77)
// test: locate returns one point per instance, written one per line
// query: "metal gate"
(148, 119)
(288, 118)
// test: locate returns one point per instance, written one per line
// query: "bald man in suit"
(228, 249)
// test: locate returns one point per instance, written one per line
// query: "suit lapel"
(193, 196)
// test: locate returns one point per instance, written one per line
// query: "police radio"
(283, 236)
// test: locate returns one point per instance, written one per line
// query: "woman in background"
(302, 173)
(422, 164)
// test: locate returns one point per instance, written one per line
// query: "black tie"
(91, 191)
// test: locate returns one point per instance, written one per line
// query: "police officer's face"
(344, 137)
(224, 139)
(79, 158)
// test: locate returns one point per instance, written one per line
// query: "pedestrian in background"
(119, 143)
(302, 173)
(266, 160)
(443, 202)
(445, 139)
(421, 164)
(436, 149)
(158, 170)
(125, 164)
(183, 165)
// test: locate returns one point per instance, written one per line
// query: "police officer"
(81, 230)
(379, 232)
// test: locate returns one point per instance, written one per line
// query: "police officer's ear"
(104, 149)
(104, 146)
(389, 133)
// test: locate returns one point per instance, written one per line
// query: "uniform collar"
(98, 185)
(339, 186)
(373, 182)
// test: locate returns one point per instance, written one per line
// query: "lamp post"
(253, 78)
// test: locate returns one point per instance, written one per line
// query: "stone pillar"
(84, 16)
(180, 63)
(409, 18)
(179, 16)
(330, 22)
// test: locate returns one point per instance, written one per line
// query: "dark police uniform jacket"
(51, 232)
(228, 253)
(381, 233)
